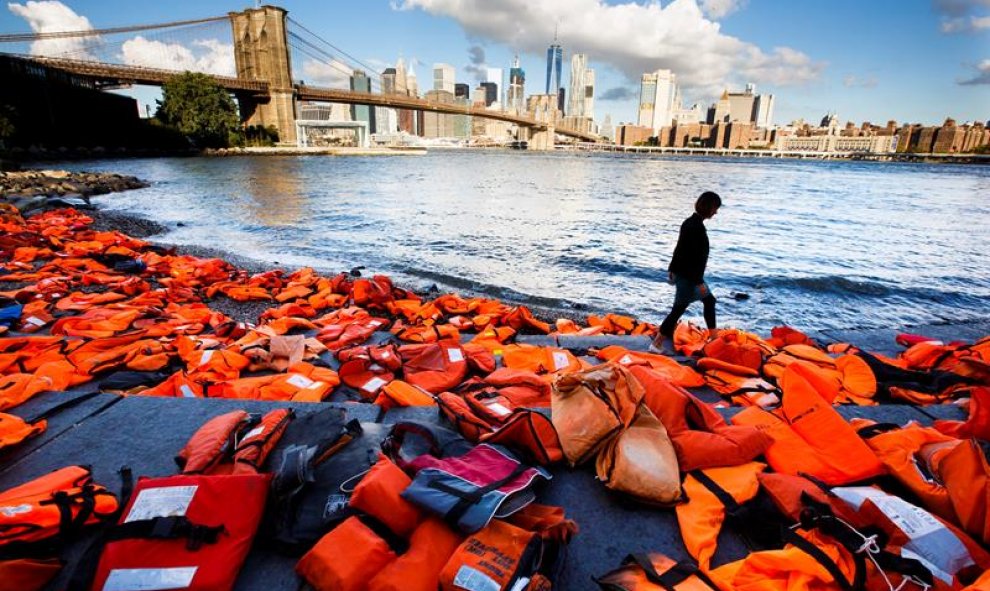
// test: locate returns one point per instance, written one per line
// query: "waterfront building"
(461, 124)
(491, 92)
(360, 82)
(516, 99)
(494, 75)
(462, 90)
(719, 111)
(443, 78)
(606, 130)
(692, 115)
(412, 84)
(437, 125)
(925, 140)
(478, 96)
(627, 134)
(589, 93)
(741, 104)
(388, 81)
(833, 142)
(949, 138)
(657, 99)
(763, 111)
(737, 134)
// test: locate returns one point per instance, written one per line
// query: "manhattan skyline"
(915, 61)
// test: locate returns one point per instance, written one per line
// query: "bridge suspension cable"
(22, 37)
(353, 59)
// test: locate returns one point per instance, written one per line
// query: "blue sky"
(909, 60)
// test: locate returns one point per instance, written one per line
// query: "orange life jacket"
(640, 461)
(540, 359)
(590, 407)
(59, 503)
(701, 517)
(701, 437)
(14, 429)
(809, 436)
(681, 375)
(233, 443)
(400, 393)
(655, 572)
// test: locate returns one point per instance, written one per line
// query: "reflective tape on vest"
(149, 579)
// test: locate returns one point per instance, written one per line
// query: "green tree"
(200, 109)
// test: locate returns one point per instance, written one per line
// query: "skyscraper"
(494, 75)
(589, 93)
(658, 99)
(443, 77)
(555, 55)
(491, 92)
(763, 111)
(462, 90)
(579, 65)
(516, 100)
(361, 83)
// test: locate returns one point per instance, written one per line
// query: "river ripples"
(814, 244)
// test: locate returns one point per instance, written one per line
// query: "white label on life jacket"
(256, 431)
(455, 355)
(163, 501)
(373, 384)
(34, 320)
(149, 579)
(206, 357)
(13, 511)
(626, 359)
(560, 360)
(375, 323)
(472, 579)
(186, 391)
(316, 385)
(498, 409)
(928, 540)
(299, 381)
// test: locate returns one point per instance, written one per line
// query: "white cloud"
(51, 16)
(633, 38)
(210, 56)
(717, 9)
(850, 81)
(982, 74)
(972, 24)
(334, 74)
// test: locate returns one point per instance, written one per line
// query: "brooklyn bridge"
(266, 90)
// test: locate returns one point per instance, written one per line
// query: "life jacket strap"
(469, 498)
(168, 528)
(672, 577)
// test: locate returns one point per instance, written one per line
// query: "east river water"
(814, 244)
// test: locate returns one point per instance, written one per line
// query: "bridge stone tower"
(261, 52)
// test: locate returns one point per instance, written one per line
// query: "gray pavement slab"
(580, 343)
(83, 406)
(874, 340)
(540, 340)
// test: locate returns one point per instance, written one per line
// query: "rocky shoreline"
(29, 190)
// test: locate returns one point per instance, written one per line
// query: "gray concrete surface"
(109, 431)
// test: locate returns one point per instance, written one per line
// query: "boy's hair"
(707, 203)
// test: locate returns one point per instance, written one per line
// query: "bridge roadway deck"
(109, 431)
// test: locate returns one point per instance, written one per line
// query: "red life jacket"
(184, 532)
(701, 437)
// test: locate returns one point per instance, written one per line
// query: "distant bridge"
(264, 87)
